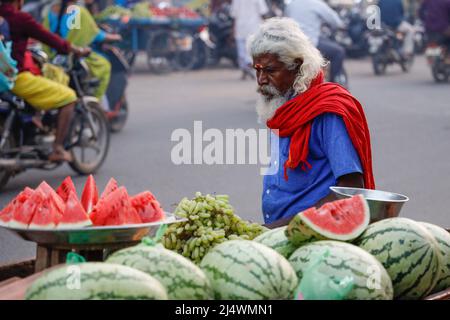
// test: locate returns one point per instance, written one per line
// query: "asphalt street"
(408, 115)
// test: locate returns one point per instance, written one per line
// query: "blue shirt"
(392, 12)
(331, 155)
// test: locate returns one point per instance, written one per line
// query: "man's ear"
(299, 63)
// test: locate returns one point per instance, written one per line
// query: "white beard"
(266, 107)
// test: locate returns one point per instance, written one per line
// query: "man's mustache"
(268, 90)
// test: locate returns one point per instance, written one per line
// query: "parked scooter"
(26, 145)
(385, 48)
(438, 57)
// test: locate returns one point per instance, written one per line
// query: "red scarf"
(294, 119)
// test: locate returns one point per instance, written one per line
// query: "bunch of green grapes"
(210, 221)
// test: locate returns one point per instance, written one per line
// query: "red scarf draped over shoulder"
(294, 119)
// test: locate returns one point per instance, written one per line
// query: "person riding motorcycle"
(311, 15)
(393, 15)
(37, 91)
(436, 16)
(75, 24)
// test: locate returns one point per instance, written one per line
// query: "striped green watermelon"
(182, 279)
(371, 280)
(442, 237)
(247, 270)
(96, 281)
(408, 252)
(343, 220)
(277, 240)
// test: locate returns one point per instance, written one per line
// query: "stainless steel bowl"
(382, 204)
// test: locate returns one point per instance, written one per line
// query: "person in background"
(393, 15)
(311, 15)
(321, 128)
(39, 92)
(215, 5)
(436, 16)
(248, 16)
(83, 35)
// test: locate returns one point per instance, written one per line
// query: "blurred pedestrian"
(393, 15)
(248, 15)
(311, 16)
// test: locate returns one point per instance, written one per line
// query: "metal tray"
(93, 236)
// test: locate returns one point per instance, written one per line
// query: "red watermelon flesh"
(66, 188)
(74, 215)
(89, 197)
(46, 215)
(111, 186)
(115, 209)
(54, 197)
(7, 213)
(23, 214)
(339, 220)
(147, 207)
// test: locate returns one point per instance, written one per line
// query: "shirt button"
(268, 191)
(267, 216)
(275, 163)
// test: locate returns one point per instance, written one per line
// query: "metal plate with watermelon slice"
(102, 236)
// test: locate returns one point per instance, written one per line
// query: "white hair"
(284, 38)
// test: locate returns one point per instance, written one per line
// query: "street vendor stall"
(169, 36)
(353, 248)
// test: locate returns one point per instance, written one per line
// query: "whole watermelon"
(182, 279)
(442, 237)
(247, 270)
(96, 281)
(371, 281)
(409, 253)
(277, 240)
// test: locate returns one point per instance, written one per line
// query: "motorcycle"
(25, 144)
(222, 36)
(385, 47)
(438, 57)
(354, 37)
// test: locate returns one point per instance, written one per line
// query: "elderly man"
(323, 134)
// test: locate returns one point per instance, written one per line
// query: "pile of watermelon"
(174, 12)
(45, 208)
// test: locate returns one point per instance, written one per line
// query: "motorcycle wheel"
(439, 75)
(186, 60)
(407, 65)
(117, 123)
(81, 141)
(5, 175)
(202, 55)
(379, 66)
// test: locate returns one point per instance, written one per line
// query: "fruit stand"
(345, 250)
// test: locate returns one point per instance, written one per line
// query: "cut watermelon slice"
(89, 198)
(66, 188)
(7, 213)
(53, 196)
(23, 214)
(147, 207)
(343, 220)
(111, 186)
(115, 209)
(74, 215)
(46, 215)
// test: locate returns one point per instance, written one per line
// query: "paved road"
(408, 114)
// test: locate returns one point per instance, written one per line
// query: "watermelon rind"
(277, 240)
(370, 279)
(96, 281)
(182, 279)
(409, 253)
(299, 233)
(442, 237)
(247, 270)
